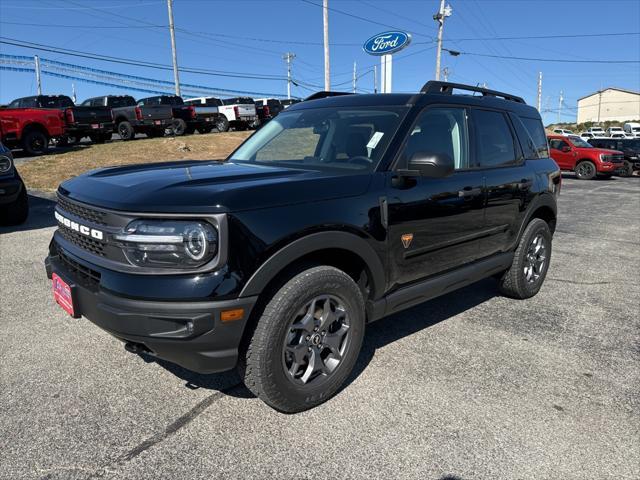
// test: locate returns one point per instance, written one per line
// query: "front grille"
(81, 271)
(82, 241)
(88, 214)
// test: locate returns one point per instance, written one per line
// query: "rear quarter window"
(536, 132)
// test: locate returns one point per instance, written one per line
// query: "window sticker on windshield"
(375, 138)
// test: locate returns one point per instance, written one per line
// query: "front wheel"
(530, 262)
(586, 170)
(307, 341)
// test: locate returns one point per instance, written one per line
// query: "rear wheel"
(35, 142)
(16, 213)
(530, 262)
(179, 127)
(222, 124)
(585, 170)
(126, 131)
(307, 341)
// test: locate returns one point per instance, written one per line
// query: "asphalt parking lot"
(468, 386)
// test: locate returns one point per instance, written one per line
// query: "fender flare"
(543, 200)
(313, 243)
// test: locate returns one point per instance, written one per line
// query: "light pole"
(176, 78)
(288, 57)
(36, 59)
(325, 28)
(439, 17)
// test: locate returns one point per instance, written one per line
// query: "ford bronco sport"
(340, 211)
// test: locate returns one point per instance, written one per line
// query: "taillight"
(138, 113)
(192, 112)
(236, 112)
(266, 111)
(68, 113)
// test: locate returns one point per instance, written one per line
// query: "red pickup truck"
(30, 128)
(574, 154)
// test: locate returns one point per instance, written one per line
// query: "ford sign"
(386, 43)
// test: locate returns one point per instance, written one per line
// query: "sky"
(241, 44)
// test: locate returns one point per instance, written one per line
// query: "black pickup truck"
(342, 210)
(185, 118)
(81, 121)
(630, 148)
(130, 118)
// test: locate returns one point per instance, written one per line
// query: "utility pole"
(375, 79)
(539, 90)
(445, 73)
(325, 27)
(439, 17)
(288, 57)
(560, 106)
(176, 78)
(354, 77)
(36, 59)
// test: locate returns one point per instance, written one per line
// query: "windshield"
(579, 142)
(597, 129)
(343, 138)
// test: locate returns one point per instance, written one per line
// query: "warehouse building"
(609, 104)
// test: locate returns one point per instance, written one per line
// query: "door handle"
(469, 192)
(525, 184)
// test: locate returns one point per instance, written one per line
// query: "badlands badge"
(406, 239)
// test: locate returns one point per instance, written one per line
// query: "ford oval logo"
(386, 43)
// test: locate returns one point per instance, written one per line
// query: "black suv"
(341, 210)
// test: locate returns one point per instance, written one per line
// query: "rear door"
(435, 223)
(508, 179)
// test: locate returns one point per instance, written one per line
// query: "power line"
(557, 60)
(541, 37)
(80, 26)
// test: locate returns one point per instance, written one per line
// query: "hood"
(208, 187)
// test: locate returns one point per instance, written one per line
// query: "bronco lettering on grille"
(76, 227)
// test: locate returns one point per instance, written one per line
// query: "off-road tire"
(513, 282)
(17, 212)
(35, 143)
(126, 131)
(262, 365)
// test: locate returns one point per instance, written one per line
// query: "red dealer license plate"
(95, 125)
(62, 294)
(157, 122)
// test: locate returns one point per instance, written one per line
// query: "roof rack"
(446, 88)
(325, 94)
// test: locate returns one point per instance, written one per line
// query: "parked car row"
(628, 130)
(597, 157)
(31, 123)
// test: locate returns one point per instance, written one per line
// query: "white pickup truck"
(616, 132)
(239, 112)
(597, 132)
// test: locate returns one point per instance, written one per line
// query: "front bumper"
(10, 189)
(188, 333)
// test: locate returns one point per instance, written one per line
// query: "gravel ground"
(468, 386)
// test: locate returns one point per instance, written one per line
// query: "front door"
(435, 223)
(562, 153)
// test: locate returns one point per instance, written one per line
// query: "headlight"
(169, 243)
(5, 163)
(605, 158)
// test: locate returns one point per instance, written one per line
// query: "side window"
(494, 139)
(526, 142)
(28, 103)
(557, 144)
(536, 131)
(440, 130)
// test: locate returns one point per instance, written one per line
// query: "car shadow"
(378, 335)
(40, 215)
(20, 156)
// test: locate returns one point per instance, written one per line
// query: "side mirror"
(425, 164)
(566, 149)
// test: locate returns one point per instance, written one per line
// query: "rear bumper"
(150, 123)
(188, 333)
(81, 129)
(10, 189)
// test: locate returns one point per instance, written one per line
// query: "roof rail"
(446, 88)
(325, 94)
